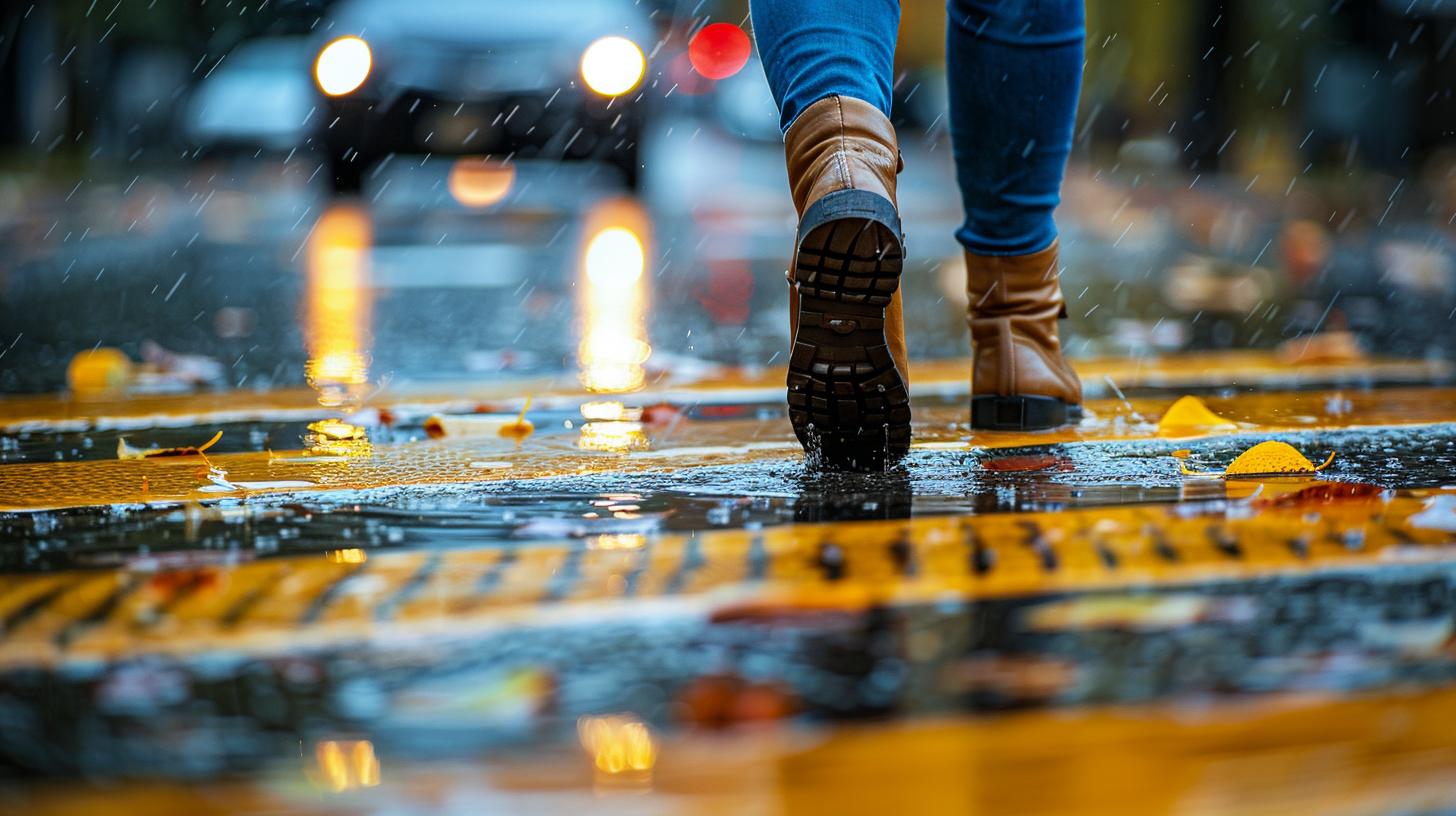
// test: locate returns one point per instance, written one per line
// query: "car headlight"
(343, 65)
(612, 66)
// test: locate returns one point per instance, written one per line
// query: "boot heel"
(1022, 413)
(847, 400)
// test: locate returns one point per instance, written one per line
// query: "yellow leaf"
(1190, 416)
(125, 451)
(99, 369)
(521, 428)
(1269, 458)
(1273, 457)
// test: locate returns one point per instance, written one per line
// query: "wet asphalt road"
(701, 498)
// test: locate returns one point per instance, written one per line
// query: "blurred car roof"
(475, 21)
(259, 95)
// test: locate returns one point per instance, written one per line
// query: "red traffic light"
(719, 51)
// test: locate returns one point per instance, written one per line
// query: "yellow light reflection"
(338, 306)
(614, 257)
(613, 293)
(611, 427)
(618, 541)
(341, 765)
(612, 437)
(474, 183)
(609, 410)
(333, 437)
(353, 555)
(620, 746)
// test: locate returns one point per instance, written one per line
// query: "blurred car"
(258, 96)
(554, 80)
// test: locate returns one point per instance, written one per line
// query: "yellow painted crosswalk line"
(724, 560)
(296, 595)
(349, 594)
(43, 635)
(359, 597)
(54, 485)
(21, 593)
(453, 585)
(218, 596)
(666, 561)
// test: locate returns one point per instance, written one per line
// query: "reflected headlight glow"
(612, 66)
(341, 765)
(338, 306)
(343, 65)
(612, 288)
(476, 184)
(614, 257)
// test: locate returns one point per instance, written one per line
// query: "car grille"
(512, 68)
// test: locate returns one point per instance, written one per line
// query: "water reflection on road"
(614, 288)
(338, 305)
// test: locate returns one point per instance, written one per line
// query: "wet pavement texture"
(654, 592)
(703, 497)
(399, 622)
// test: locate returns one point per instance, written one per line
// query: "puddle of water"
(716, 497)
(471, 696)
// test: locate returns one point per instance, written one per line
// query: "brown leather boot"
(848, 377)
(1020, 381)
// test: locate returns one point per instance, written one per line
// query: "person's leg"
(1014, 69)
(829, 64)
(812, 49)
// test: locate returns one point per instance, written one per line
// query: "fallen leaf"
(1268, 458)
(1031, 462)
(505, 426)
(99, 369)
(125, 451)
(521, 428)
(1190, 416)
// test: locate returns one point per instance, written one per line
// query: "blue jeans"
(1014, 68)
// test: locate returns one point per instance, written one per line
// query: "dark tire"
(346, 174)
(628, 163)
(847, 400)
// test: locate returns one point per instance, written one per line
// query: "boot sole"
(847, 400)
(1022, 413)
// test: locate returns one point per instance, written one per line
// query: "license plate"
(449, 131)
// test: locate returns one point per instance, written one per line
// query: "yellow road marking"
(267, 604)
(366, 591)
(454, 581)
(56, 485)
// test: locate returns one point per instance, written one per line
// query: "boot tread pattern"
(847, 401)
